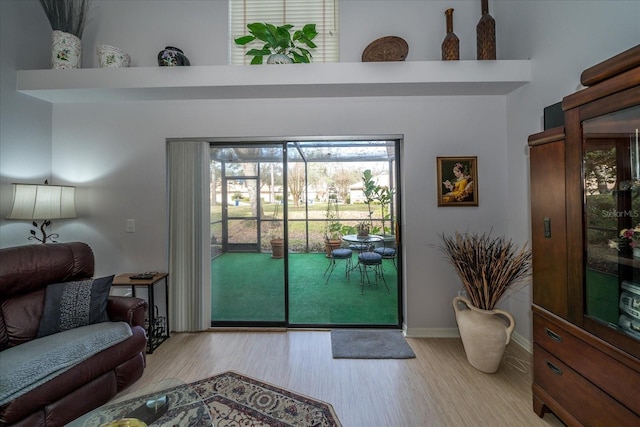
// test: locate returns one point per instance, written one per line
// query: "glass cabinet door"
(611, 166)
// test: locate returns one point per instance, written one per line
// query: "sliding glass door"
(247, 280)
(274, 207)
(328, 202)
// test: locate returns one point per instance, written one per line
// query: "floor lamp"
(42, 202)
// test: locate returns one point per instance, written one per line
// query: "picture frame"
(457, 181)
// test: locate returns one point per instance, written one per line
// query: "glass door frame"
(252, 248)
(395, 174)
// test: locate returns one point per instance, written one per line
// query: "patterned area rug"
(229, 399)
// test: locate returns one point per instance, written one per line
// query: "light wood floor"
(437, 388)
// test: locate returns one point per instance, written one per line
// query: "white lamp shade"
(32, 201)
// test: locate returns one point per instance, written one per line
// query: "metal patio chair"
(336, 255)
(369, 260)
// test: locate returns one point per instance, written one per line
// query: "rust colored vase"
(451, 43)
(486, 34)
(330, 245)
(277, 248)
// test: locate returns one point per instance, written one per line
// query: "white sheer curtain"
(189, 236)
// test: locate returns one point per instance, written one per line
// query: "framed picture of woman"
(457, 181)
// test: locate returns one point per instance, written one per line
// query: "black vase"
(172, 57)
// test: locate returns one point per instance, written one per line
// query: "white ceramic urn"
(484, 333)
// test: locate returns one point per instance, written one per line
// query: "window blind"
(323, 13)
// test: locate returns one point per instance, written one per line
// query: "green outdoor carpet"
(250, 287)
(602, 296)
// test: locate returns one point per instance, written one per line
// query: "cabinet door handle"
(547, 227)
(554, 368)
(553, 335)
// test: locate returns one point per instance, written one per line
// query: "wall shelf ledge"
(317, 80)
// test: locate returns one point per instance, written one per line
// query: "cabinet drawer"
(617, 379)
(590, 405)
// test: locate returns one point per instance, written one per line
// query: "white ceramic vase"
(278, 58)
(484, 333)
(66, 50)
(112, 57)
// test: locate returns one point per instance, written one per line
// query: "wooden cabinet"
(548, 219)
(585, 191)
(581, 378)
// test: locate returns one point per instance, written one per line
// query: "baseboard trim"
(522, 342)
(430, 332)
(453, 333)
(408, 332)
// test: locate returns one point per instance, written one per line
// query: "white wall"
(116, 152)
(142, 28)
(124, 175)
(199, 28)
(421, 23)
(25, 122)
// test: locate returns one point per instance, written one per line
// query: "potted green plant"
(363, 228)
(67, 19)
(281, 45)
(488, 267)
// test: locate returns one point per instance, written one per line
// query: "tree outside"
(307, 192)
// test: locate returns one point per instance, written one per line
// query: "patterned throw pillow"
(70, 305)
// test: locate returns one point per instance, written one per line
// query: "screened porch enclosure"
(269, 194)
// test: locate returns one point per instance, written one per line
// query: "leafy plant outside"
(380, 194)
(368, 188)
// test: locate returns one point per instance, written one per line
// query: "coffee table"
(169, 401)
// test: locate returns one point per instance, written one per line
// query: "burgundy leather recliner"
(25, 272)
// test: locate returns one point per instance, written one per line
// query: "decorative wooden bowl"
(390, 48)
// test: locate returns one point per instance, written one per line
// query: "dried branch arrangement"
(67, 15)
(487, 265)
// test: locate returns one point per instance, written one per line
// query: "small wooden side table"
(156, 333)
